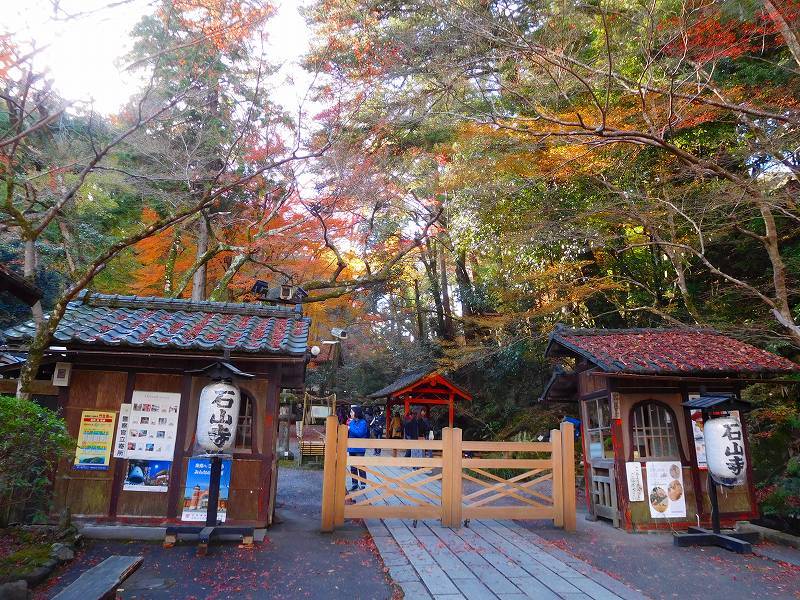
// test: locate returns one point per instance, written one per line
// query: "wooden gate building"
(640, 392)
(124, 355)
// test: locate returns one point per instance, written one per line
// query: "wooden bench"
(102, 580)
(315, 448)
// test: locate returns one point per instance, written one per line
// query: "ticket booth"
(641, 396)
(129, 373)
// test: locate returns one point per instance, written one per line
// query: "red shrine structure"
(430, 388)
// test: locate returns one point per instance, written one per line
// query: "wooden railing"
(496, 480)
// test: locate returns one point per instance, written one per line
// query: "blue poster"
(195, 496)
(147, 476)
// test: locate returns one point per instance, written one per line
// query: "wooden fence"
(461, 480)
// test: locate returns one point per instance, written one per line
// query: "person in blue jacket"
(357, 428)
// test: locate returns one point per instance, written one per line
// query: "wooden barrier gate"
(434, 487)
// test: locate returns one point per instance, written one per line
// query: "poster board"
(665, 491)
(153, 425)
(633, 470)
(147, 476)
(121, 443)
(95, 439)
(195, 496)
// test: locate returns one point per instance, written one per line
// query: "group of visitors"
(416, 425)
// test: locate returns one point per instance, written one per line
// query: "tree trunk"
(429, 261)
(445, 290)
(467, 294)
(199, 278)
(169, 268)
(220, 292)
(418, 310)
(790, 36)
(29, 272)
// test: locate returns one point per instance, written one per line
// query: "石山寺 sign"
(725, 453)
(217, 417)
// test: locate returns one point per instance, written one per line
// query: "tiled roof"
(150, 322)
(410, 379)
(667, 351)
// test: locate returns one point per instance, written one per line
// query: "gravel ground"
(295, 560)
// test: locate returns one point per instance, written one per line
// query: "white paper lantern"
(217, 416)
(725, 453)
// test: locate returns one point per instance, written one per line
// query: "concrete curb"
(771, 535)
(148, 534)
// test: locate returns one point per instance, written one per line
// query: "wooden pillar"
(340, 487)
(405, 412)
(176, 476)
(447, 477)
(451, 407)
(558, 477)
(121, 464)
(568, 457)
(329, 476)
(457, 454)
(269, 463)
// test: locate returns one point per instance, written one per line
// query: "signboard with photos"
(153, 425)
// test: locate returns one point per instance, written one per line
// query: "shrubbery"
(775, 443)
(32, 441)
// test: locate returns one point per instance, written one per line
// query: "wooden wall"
(88, 493)
(100, 494)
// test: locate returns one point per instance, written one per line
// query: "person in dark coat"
(425, 429)
(411, 429)
(357, 428)
(376, 425)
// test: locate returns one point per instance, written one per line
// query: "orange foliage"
(223, 22)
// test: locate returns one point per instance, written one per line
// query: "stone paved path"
(487, 560)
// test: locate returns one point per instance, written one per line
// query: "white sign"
(665, 491)
(121, 443)
(635, 481)
(727, 462)
(153, 425)
(61, 374)
(696, 417)
(218, 416)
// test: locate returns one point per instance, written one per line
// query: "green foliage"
(32, 441)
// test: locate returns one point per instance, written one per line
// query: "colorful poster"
(95, 437)
(121, 444)
(696, 417)
(195, 497)
(147, 476)
(153, 425)
(635, 481)
(665, 490)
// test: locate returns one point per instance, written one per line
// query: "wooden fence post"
(447, 477)
(329, 475)
(340, 485)
(568, 457)
(456, 482)
(558, 478)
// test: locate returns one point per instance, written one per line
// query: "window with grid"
(598, 428)
(653, 432)
(244, 427)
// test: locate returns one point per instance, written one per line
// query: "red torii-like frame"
(422, 387)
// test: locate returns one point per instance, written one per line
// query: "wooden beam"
(40, 387)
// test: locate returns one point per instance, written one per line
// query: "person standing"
(357, 428)
(376, 428)
(411, 431)
(425, 430)
(396, 430)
